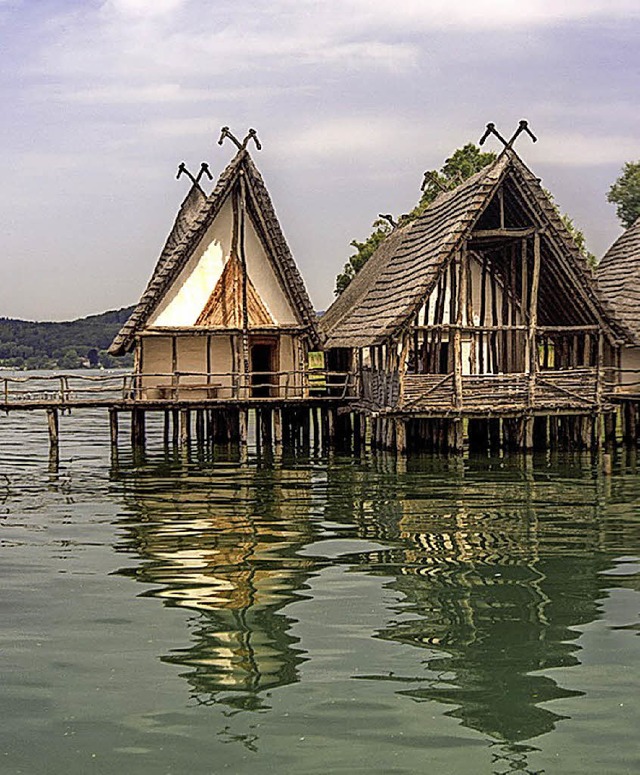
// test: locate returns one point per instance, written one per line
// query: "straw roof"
(394, 283)
(196, 215)
(619, 279)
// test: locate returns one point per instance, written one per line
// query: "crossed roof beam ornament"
(241, 146)
(523, 126)
(204, 170)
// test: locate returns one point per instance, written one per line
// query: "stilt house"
(481, 308)
(225, 313)
(619, 280)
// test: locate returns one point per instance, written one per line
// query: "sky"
(352, 101)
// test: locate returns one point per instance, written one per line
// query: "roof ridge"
(174, 257)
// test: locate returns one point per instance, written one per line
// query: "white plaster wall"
(630, 359)
(156, 359)
(192, 356)
(221, 355)
(289, 354)
(187, 297)
(264, 279)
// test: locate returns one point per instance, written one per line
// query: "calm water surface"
(188, 614)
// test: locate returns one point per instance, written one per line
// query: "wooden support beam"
(533, 319)
(527, 433)
(610, 430)
(265, 426)
(137, 428)
(331, 426)
(185, 427)
(200, 427)
(277, 430)
(502, 233)
(166, 428)
(243, 429)
(457, 336)
(400, 436)
(175, 426)
(455, 442)
(52, 423)
(113, 426)
(315, 427)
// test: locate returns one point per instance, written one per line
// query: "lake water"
(184, 613)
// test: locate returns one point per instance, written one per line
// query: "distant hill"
(69, 345)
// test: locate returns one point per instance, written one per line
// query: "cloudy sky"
(352, 100)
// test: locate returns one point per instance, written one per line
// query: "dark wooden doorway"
(263, 361)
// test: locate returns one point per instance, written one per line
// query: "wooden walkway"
(294, 408)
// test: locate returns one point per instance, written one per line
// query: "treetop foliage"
(625, 194)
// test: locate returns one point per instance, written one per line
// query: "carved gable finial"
(225, 132)
(523, 126)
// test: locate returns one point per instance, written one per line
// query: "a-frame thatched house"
(619, 279)
(480, 308)
(225, 313)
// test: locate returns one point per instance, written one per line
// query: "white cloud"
(144, 8)
(418, 15)
(578, 149)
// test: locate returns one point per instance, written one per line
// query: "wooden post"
(243, 427)
(401, 436)
(277, 430)
(185, 427)
(315, 426)
(455, 435)
(265, 426)
(527, 433)
(137, 428)
(533, 319)
(457, 333)
(165, 428)
(175, 426)
(304, 422)
(469, 293)
(357, 431)
(113, 426)
(331, 426)
(52, 422)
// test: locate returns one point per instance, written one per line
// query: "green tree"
(364, 251)
(625, 194)
(463, 163)
(576, 234)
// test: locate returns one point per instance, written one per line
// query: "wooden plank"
(533, 317)
(479, 234)
(457, 336)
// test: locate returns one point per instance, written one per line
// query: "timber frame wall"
(494, 362)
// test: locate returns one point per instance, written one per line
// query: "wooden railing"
(552, 390)
(562, 389)
(75, 389)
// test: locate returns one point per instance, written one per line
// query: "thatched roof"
(394, 283)
(196, 215)
(619, 279)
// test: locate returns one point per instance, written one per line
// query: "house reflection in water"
(225, 546)
(490, 594)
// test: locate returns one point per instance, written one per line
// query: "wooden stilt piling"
(52, 423)
(277, 431)
(243, 432)
(185, 427)
(113, 426)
